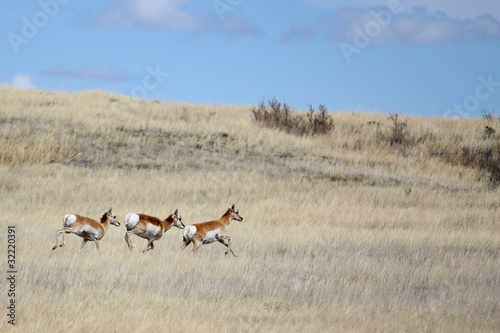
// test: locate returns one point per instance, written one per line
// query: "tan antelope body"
(211, 231)
(85, 227)
(149, 227)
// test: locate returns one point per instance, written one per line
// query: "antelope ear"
(232, 208)
(109, 211)
(175, 213)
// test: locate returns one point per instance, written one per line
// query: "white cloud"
(415, 21)
(152, 14)
(417, 26)
(459, 9)
(173, 14)
(21, 81)
(462, 9)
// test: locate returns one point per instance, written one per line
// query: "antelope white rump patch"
(69, 220)
(189, 231)
(131, 220)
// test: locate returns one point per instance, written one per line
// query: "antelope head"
(108, 216)
(177, 220)
(235, 215)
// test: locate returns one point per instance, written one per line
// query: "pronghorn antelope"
(149, 227)
(211, 231)
(87, 228)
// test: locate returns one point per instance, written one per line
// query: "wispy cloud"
(20, 81)
(237, 27)
(152, 14)
(102, 72)
(465, 9)
(168, 14)
(301, 33)
(417, 26)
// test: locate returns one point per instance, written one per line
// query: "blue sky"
(416, 57)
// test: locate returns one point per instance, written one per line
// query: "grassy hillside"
(341, 232)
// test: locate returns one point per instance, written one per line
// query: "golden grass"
(340, 232)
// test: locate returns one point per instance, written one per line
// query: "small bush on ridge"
(321, 122)
(398, 130)
(278, 115)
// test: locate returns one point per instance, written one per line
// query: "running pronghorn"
(149, 227)
(211, 231)
(87, 228)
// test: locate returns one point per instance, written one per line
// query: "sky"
(437, 58)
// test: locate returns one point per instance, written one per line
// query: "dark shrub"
(280, 116)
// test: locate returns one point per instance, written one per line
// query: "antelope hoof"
(62, 245)
(55, 247)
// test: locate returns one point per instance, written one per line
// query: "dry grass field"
(341, 232)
